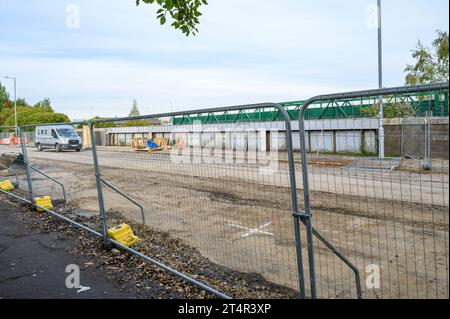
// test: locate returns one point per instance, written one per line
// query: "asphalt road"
(33, 264)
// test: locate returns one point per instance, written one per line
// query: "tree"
(30, 115)
(185, 13)
(5, 112)
(102, 124)
(40, 113)
(136, 123)
(45, 104)
(431, 65)
(21, 102)
(134, 110)
(391, 110)
(4, 96)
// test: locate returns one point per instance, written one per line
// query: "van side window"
(54, 135)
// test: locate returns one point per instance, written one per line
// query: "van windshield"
(65, 132)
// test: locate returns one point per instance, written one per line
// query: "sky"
(92, 58)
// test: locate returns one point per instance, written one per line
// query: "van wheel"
(39, 148)
(58, 148)
(78, 150)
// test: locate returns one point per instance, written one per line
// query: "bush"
(27, 116)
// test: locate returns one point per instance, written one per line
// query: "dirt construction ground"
(238, 215)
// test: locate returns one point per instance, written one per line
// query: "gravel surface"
(143, 279)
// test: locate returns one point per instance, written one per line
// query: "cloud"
(247, 51)
(78, 86)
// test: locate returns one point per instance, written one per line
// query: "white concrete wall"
(251, 136)
(296, 140)
(207, 139)
(219, 140)
(322, 141)
(278, 141)
(313, 125)
(348, 141)
(370, 141)
(239, 140)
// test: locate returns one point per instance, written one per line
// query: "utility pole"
(380, 85)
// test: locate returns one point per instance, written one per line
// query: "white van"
(57, 137)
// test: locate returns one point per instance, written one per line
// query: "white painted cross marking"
(253, 231)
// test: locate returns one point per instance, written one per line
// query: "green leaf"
(184, 12)
(169, 4)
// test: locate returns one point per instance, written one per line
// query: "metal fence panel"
(388, 216)
(55, 169)
(13, 161)
(224, 191)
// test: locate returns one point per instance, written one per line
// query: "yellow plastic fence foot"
(45, 202)
(123, 234)
(7, 186)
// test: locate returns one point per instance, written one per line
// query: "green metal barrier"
(436, 103)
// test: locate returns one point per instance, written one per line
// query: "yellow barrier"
(45, 202)
(123, 234)
(7, 186)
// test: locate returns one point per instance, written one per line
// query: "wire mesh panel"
(61, 167)
(12, 169)
(416, 140)
(388, 216)
(220, 191)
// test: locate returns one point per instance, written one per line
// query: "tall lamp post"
(380, 85)
(15, 100)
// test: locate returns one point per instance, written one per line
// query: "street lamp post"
(380, 85)
(15, 99)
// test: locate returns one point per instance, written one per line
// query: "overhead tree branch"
(184, 13)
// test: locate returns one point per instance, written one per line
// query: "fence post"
(307, 203)
(101, 203)
(295, 210)
(26, 164)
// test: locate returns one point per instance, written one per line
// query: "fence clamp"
(301, 215)
(123, 234)
(7, 186)
(43, 202)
